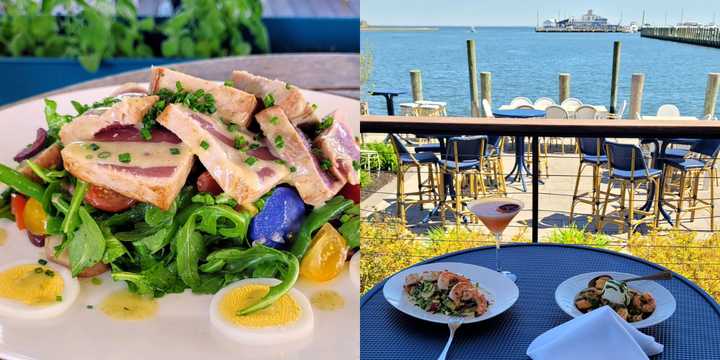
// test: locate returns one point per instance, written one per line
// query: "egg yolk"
(282, 312)
(3, 237)
(124, 305)
(327, 300)
(31, 284)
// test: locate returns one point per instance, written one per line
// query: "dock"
(698, 35)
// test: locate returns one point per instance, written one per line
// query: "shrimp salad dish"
(233, 189)
(631, 305)
(446, 293)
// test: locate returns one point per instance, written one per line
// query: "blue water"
(525, 63)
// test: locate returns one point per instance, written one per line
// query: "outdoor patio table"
(691, 333)
(388, 95)
(520, 169)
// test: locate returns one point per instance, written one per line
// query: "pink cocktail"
(496, 214)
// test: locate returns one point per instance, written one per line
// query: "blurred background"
(49, 44)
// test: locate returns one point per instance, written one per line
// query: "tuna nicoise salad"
(116, 187)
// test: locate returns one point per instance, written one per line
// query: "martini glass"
(496, 214)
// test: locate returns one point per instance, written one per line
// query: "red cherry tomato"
(17, 207)
(206, 183)
(107, 200)
(351, 192)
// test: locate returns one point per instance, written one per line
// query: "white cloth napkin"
(598, 335)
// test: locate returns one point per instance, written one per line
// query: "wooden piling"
(636, 94)
(416, 84)
(486, 89)
(615, 77)
(711, 94)
(472, 70)
(564, 86)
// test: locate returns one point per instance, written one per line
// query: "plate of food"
(641, 303)
(442, 292)
(181, 218)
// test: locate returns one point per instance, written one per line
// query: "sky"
(524, 12)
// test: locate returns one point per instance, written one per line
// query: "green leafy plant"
(105, 29)
(207, 28)
(388, 161)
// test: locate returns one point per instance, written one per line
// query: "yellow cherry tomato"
(325, 258)
(35, 217)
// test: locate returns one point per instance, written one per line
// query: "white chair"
(623, 107)
(520, 100)
(526, 107)
(543, 102)
(487, 108)
(570, 104)
(441, 104)
(409, 109)
(586, 112)
(557, 112)
(668, 110)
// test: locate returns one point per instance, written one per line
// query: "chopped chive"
(124, 158)
(88, 156)
(251, 160)
(232, 127)
(269, 100)
(326, 122)
(178, 86)
(240, 142)
(293, 169)
(39, 270)
(96, 281)
(279, 142)
(280, 161)
(104, 155)
(325, 164)
(42, 262)
(49, 273)
(313, 107)
(254, 146)
(229, 83)
(174, 151)
(204, 144)
(94, 147)
(58, 298)
(288, 86)
(89, 307)
(274, 120)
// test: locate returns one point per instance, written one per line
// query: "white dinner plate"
(665, 302)
(500, 291)
(181, 329)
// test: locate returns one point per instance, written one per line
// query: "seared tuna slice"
(129, 111)
(118, 159)
(239, 162)
(287, 97)
(337, 145)
(232, 105)
(288, 143)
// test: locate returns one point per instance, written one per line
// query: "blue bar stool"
(627, 168)
(460, 162)
(701, 160)
(592, 154)
(408, 161)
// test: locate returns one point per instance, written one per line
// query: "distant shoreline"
(398, 28)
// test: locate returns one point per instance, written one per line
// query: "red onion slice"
(33, 148)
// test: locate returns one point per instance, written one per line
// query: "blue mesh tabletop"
(693, 332)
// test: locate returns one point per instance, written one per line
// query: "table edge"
(709, 299)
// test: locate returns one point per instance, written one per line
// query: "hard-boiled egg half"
(33, 290)
(290, 318)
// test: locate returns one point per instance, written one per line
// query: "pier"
(698, 35)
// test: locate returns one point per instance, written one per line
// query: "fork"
(453, 325)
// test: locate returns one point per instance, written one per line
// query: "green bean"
(317, 218)
(72, 221)
(21, 183)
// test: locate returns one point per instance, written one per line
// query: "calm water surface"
(525, 63)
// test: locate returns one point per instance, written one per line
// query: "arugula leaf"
(113, 247)
(190, 248)
(87, 246)
(54, 120)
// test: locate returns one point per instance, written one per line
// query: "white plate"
(665, 302)
(500, 291)
(181, 329)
